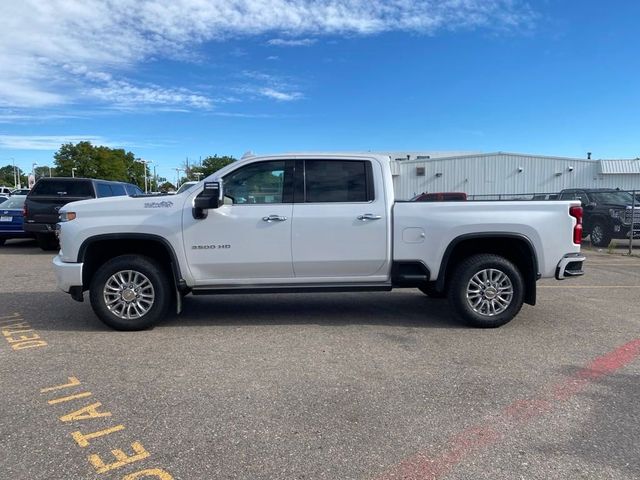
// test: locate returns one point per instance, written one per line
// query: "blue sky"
(190, 78)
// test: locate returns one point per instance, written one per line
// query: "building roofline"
(495, 154)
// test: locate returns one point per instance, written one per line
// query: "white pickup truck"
(310, 223)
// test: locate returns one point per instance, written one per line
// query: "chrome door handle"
(369, 216)
(274, 218)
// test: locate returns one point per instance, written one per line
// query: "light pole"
(15, 174)
(73, 172)
(178, 170)
(49, 170)
(144, 164)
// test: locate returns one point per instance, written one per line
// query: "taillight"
(576, 212)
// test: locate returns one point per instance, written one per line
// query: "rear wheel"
(486, 291)
(47, 241)
(600, 235)
(130, 292)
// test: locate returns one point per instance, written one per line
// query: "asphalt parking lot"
(372, 386)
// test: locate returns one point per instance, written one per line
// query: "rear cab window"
(62, 188)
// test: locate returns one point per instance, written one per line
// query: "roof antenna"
(588, 155)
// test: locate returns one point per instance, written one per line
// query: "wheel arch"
(96, 250)
(515, 247)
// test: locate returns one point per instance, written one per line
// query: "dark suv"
(49, 194)
(607, 213)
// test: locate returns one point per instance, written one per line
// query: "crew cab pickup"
(310, 223)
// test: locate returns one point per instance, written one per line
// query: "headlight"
(67, 216)
(615, 213)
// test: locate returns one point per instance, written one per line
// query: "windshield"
(15, 203)
(612, 197)
(185, 186)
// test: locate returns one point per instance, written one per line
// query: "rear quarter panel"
(546, 224)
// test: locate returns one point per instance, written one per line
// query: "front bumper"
(68, 275)
(570, 266)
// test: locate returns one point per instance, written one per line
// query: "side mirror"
(208, 199)
(589, 206)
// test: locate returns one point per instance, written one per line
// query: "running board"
(225, 290)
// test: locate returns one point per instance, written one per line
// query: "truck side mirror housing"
(209, 198)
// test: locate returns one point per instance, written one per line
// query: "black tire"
(461, 283)
(147, 267)
(600, 235)
(430, 291)
(47, 242)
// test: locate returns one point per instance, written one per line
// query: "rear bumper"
(68, 275)
(570, 266)
(40, 227)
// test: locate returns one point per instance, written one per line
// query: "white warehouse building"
(503, 173)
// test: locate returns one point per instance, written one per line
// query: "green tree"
(166, 187)
(210, 165)
(6, 176)
(91, 161)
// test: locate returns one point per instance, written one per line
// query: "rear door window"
(117, 190)
(104, 190)
(338, 181)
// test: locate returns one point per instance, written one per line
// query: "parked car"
(440, 197)
(185, 186)
(11, 219)
(20, 191)
(49, 194)
(607, 213)
(5, 191)
(310, 223)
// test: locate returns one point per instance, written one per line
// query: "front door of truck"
(249, 237)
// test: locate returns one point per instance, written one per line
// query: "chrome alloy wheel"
(489, 292)
(128, 294)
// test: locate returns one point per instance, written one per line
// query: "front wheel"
(486, 291)
(130, 292)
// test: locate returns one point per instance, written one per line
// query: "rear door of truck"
(340, 219)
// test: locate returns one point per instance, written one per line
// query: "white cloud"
(280, 95)
(38, 38)
(291, 42)
(45, 142)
